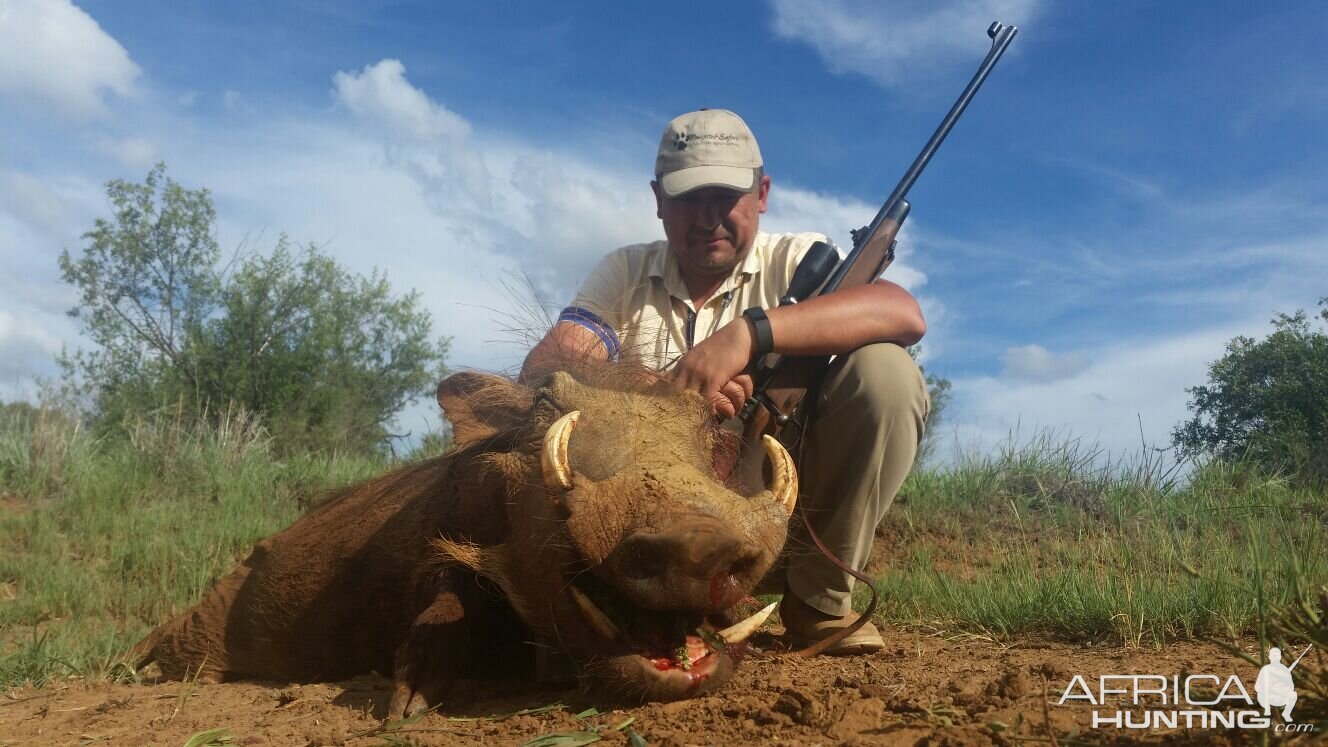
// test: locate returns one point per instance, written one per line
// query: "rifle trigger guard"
(779, 417)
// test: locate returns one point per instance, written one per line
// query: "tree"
(147, 283)
(330, 357)
(1266, 400)
(938, 390)
(324, 356)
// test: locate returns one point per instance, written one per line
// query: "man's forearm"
(835, 323)
(563, 345)
(848, 319)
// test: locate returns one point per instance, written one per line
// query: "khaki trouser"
(860, 446)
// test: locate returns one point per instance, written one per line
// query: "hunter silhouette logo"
(1274, 687)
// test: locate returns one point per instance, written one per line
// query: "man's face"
(711, 229)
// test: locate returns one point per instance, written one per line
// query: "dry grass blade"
(501, 716)
(563, 739)
(209, 738)
(392, 727)
(1046, 716)
(187, 688)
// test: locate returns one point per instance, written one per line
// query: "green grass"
(1047, 537)
(102, 540)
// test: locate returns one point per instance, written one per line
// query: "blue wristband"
(591, 321)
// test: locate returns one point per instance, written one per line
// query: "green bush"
(1266, 401)
(324, 357)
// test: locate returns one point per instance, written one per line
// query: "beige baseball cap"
(707, 148)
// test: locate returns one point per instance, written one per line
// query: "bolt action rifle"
(782, 382)
(780, 401)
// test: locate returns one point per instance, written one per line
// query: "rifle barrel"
(1302, 656)
(1001, 37)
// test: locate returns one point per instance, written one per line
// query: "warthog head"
(620, 542)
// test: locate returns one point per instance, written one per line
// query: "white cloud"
(1036, 363)
(32, 202)
(234, 101)
(1131, 393)
(54, 54)
(895, 43)
(381, 93)
(19, 332)
(26, 348)
(553, 213)
(40, 214)
(421, 136)
(574, 213)
(135, 152)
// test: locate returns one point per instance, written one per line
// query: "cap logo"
(682, 140)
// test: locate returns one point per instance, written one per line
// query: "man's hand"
(714, 367)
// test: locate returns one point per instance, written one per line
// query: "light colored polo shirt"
(637, 303)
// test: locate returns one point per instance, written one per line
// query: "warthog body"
(606, 533)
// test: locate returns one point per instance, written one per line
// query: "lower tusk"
(594, 615)
(739, 632)
(783, 475)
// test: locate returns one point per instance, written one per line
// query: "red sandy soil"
(921, 690)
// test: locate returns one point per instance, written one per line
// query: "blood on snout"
(725, 591)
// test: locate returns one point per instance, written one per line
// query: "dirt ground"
(921, 690)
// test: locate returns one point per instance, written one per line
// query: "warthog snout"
(697, 563)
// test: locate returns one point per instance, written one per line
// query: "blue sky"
(1136, 184)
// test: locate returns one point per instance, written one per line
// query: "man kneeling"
(679, 306)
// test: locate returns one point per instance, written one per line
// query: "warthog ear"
(481, 406)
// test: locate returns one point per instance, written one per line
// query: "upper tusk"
(594, 615)
(738, 632)
(553, 460)
(784, 476)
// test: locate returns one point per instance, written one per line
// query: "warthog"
(588, 505)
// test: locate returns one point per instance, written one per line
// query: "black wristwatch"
(765, 335)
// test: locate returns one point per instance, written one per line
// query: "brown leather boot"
(806, 625)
